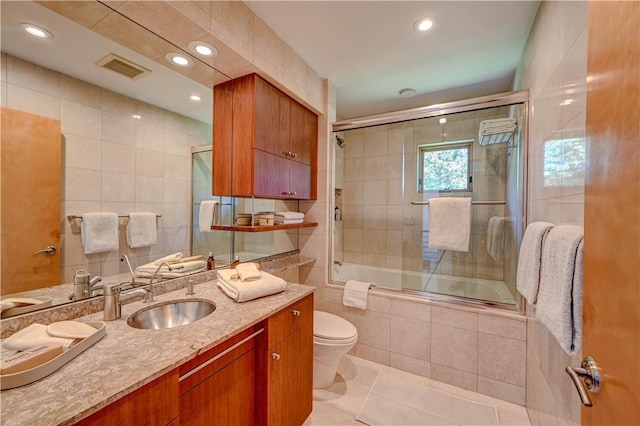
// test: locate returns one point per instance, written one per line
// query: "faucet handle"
(111, 289)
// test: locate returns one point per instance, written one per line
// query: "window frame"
(445, 146)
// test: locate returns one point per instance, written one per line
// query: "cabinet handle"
(295, 155)
(296, 313)
(275, 356)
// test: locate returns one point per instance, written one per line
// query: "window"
(445, 167)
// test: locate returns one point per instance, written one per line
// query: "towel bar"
(484, 203)
(73, 216)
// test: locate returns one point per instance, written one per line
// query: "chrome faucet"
(113, 298)
(150, 295)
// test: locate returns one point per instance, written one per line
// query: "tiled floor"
(341, 403)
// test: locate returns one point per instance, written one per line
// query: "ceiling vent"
(122, 66)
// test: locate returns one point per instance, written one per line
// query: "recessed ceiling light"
(36, 31)
(180, 60)
(406, 93)
(195, 98)
(423, 24)
(203, 49)
(443, 120)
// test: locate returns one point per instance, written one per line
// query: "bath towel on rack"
(559, 305)
(450, 223)
(495, 237)
(142, 230)
(99, 232)
(355, 294)
(208, 215)
(528, 270)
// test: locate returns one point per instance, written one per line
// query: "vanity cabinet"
(265, 143)
(287, 394)
(155, 403)
(218, 387)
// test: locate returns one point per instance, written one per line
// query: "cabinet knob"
(295, 155)
(296, 313)
(275, 356)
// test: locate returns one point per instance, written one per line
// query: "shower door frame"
(465, 105)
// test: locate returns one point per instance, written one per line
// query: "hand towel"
(355, 294)
(239, 291)
(528, 271)
(495, 237)
(208, 215)
(177, 269)
(559, 305)
(248, 271)
(31, 336)
(279, 221)
(99, 232)
(288, 215)
(450, 223)
(142, 230)
(169, 258)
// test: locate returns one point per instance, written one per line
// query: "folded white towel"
(355, 294)
(278, 221)
(99, 232)
(177, 269)
(498, 125)
(288, 215)
(142, 229)
(450, 223)
(248, 271)
(208, 215)
(528, 272)
(495, 237)
(169, 258)
(559, 305)
(31, 336)
(230, 284)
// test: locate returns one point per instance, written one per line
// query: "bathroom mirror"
(170, 118)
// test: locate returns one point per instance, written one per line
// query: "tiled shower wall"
(380, 228)
(554, 68)
(111, 161)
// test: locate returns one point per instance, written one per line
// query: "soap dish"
(10, 381)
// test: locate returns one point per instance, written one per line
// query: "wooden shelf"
(239, 228)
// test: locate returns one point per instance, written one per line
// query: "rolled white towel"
(169, 258)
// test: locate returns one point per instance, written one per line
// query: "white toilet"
(333, 337)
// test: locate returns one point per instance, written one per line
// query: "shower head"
(341, 142)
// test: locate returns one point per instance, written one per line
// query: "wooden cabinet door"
(299, 180)
(270, 175)
(290, 378)
(155, 403)
(304, 129)
(226, 398)
(271, 118)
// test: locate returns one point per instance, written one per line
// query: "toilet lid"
(331, 326)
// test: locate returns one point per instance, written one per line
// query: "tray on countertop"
(10, 381)
(46, 302)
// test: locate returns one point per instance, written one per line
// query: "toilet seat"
(332, 330)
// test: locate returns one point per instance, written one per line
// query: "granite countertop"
(128, 358)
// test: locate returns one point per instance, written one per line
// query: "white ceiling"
(366, 48)
(369, 50)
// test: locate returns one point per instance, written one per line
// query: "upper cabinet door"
(272, 118)
(304, 136)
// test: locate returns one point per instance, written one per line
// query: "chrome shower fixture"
(341, 142)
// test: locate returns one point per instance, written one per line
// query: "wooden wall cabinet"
(265, 144)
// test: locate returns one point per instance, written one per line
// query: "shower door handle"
(585, 379)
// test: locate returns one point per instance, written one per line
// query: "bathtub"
(395, 279)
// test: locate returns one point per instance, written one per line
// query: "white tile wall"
(553, 68)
